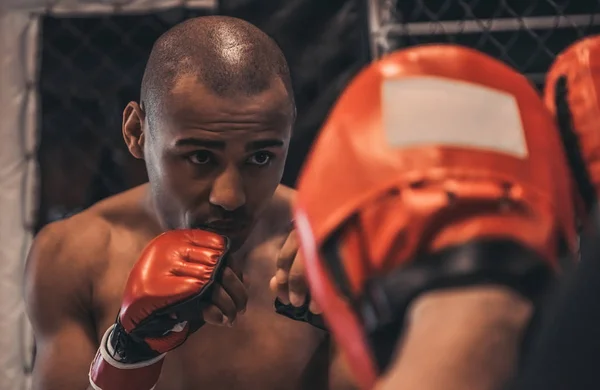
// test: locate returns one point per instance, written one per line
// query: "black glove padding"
(301, 313)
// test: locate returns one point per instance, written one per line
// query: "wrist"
(481, 306)
(122, 351)
(469, 337)
(110, 371)
(126, 347)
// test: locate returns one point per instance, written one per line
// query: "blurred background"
(69, 67)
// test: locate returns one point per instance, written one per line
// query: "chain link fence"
(92, 66)
(526, 34)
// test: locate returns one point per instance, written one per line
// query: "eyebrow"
(212, 144)
(263, 144)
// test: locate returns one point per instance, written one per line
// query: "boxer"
(432, 213)
(166, 286)
(569, 346)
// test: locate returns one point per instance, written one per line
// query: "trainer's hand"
(289, 282)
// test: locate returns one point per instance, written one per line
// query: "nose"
(228, 190)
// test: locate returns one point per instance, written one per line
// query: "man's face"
(215, 162)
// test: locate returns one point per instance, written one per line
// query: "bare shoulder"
(279, 214)
(74, 242)
(62, 261)
(69, 255)
(78, 247)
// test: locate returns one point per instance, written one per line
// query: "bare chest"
(261, 351)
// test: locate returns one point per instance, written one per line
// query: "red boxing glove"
(441, 167)
(162, 305)
(572, 94)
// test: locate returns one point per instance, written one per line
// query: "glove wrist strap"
(129, 347)
(109, 372)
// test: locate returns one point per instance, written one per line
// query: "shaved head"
(219, 90)
(227, 55)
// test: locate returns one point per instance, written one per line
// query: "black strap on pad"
(488, 261)
(301, 313)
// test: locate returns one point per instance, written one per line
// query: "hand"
(179, 282)
(229, 297)
(179, 275)
(289, 283)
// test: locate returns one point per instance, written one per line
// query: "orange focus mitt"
(438, 167)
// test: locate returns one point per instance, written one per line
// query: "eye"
(201, 157)
(260, 158)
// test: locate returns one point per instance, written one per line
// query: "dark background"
(91, 68)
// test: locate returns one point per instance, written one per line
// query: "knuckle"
(229, 308)
(296, 273)
(228, 273)
(297, 268)
(284, 296)
(234, 276)
(240, 296)
(283, 261)
(212, 314)
(282, 289)
(296, 280)
(231, 312)
(216, 291)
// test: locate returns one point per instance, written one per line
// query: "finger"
(297, 283)
(273, 285)
(201, 239)
(236, 266)
(314, 307)
(235, 288)
(230, 298)
(285, 259)
(280, 290)
(199, 271)
(195, 270)
(201, 255)
(222, 300)
(212, 315)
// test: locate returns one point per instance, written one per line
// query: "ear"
(133, 129)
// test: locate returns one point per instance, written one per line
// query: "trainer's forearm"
(460, 339)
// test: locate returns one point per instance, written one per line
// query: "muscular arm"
(56, 304)
(460, 339)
